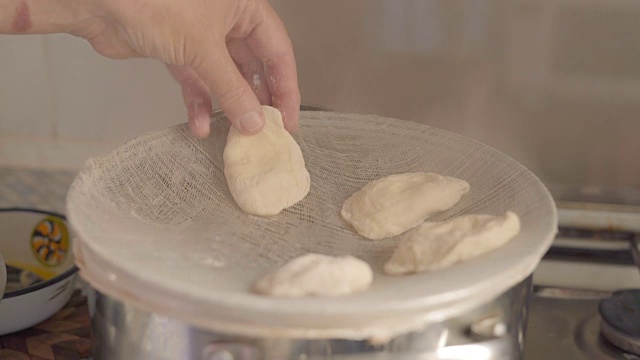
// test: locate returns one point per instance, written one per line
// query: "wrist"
(42, 16)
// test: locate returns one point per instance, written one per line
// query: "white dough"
(437, 245)
(265, 172)
(394, 204)
(317, 274)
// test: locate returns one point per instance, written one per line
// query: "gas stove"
(586, 298)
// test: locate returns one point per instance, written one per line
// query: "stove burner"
(620, 318)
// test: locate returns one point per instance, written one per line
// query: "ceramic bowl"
(40, 270)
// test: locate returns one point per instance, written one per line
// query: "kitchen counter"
(43, 189)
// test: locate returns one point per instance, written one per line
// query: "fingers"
(251, 68)
(271, 44)
(196, 97)
(233, 93)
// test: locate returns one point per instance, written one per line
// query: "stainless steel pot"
(492, 331)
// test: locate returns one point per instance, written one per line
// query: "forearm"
(42, 16)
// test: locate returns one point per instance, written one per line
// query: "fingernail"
(250, 122)
(202, 121)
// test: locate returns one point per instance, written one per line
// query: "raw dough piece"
(265, 172)
(437, 245)
(317, 274)
(394, 204)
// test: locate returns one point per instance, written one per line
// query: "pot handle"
(3, 277)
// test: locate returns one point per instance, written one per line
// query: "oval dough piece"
(265, 172)
(317, 274)
(394, 204)
(437, 245)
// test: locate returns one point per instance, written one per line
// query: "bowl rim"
(43, 284)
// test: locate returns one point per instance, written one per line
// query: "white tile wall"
(442, 63)
(60, 102)
(98, 98)
(25, 106)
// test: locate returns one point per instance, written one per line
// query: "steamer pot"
(155, 299)
(494, 331)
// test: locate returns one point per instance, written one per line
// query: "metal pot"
(492, 331)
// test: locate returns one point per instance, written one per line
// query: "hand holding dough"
(436, 245)
(265, 172)
(316, 274)
(394, 204)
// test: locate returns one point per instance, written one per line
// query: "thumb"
(233, 93)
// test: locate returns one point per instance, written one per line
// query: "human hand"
(236, 50)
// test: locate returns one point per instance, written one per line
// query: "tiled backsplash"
(60, 102)
(26, 106)
(482, 68)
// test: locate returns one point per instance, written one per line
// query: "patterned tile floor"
(65, 336)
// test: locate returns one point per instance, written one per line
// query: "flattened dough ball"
(394, 204)
(317, 274)
(265, 172)
(437, 245)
